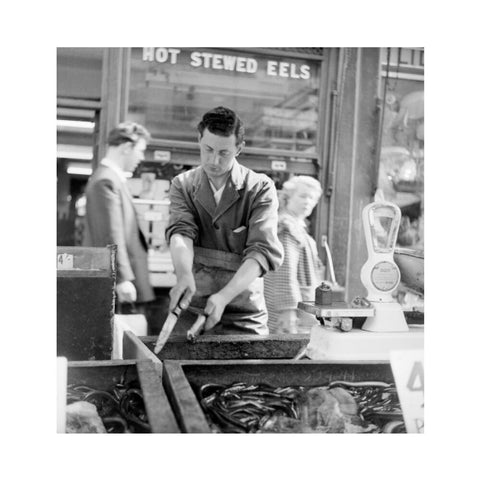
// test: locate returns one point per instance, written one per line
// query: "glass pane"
(276, 97)
(383, 228)
(401, 170)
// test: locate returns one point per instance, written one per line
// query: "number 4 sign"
(407, 367)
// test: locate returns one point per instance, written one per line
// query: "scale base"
(387, 317)
(332, 344)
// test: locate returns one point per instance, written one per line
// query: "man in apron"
(223, 232)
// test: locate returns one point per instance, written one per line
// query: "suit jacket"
(111, 218)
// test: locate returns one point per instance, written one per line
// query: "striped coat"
(300, 273)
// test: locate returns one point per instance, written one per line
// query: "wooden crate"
(217, 347)
(183, 378)
(104, 374)
(85, 302)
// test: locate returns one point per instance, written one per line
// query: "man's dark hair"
(127, 132)
(224, 122)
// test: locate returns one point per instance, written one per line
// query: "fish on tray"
(339, 407)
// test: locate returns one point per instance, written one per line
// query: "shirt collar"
(237, 176)
(217, 194)
(112, 165)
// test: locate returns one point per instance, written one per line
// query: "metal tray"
(102, 374)
(217, 347)
(183, 378)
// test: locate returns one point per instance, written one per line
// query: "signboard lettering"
(223, 62)
(160, 55)
(232, 63)
(407, 367)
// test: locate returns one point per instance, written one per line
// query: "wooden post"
(114, 94)
(355, 170)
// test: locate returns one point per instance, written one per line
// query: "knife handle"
(196, 328)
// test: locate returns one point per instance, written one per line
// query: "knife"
(167, 328)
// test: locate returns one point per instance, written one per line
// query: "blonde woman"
(301, 271)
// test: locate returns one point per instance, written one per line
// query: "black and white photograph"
(240, 240)
(239, 220)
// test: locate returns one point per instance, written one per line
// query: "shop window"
(401, 169)
(278, 98)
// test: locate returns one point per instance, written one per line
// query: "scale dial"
(385, 276)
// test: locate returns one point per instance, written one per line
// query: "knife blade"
(167, 328)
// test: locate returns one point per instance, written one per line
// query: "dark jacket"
(244, 222)
(111, 218)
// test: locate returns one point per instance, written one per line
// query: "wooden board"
(135, 348)
(183, 378)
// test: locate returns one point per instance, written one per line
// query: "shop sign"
(405, 63)
(407, 367)
(233, 63)
(407, 57)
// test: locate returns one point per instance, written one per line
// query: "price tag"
(64, 261)
(407, 367)
(162, 155)
(279, 165)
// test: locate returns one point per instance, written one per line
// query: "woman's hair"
(294, 184)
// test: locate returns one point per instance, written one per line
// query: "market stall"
(305, 115)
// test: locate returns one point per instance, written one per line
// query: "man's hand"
(214, 308)
(182, 292)
(126, 292)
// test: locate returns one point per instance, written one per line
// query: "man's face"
(217, 154)
(134, 154)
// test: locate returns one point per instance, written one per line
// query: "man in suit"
(110, 213)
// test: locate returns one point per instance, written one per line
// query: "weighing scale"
(384, 327)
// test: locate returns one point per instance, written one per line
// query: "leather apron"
(246, 313)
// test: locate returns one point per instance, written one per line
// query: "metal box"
(105, 374)
(183, 378)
